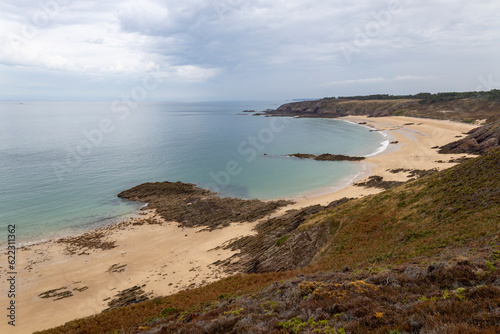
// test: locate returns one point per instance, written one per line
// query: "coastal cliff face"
(479, 141)
(333, 108)
(469, 110)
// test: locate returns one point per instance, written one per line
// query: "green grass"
(282, 240)
(442, 213)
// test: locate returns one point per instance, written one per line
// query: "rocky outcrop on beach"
(127, 297)
(376, 181)
(258, 253)
(326, 157)
(479, 141)
(89, 241)
(192, 206)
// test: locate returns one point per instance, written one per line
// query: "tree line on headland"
(426, 98)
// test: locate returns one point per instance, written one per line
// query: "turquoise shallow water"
(62, 163)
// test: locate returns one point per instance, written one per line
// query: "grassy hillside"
(420, 258)
(455, 212)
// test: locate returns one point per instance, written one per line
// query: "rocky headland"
(481, 108)
(470, 107)
(192, 206)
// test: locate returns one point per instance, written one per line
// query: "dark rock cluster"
(376, 181)
(192, 206)
(479, 141)
(126, 297)
(326, 157)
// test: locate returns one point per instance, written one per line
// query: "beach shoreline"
(364, 167)
(416, 145)
(64, 279)
(162, 257)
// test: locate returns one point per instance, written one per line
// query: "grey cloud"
(165, 18)
(299, 45)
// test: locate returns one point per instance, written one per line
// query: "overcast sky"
(251, 50)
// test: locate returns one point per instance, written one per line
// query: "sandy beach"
(61, 280)
(415, 139)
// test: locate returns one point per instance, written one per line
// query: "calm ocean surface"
(63, 163)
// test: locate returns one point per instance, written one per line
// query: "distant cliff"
(469, 110)
(478, 110)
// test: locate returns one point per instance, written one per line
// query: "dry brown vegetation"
(455, 298)
(450, 297)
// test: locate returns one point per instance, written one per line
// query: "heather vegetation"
(422, 257)
(452, 297)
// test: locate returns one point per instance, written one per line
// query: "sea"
(62, 164)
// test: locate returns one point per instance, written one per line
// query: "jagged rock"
(479, 141)
(126, 297)
(281, 243)
(412, 173)
(296, 251)
(192, 206)
(376, 181)
(81, 244)
(256, 251)
(489, 143)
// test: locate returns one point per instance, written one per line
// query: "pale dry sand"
(166, 258)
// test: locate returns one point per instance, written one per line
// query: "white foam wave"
(384, 145)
